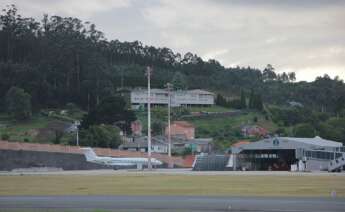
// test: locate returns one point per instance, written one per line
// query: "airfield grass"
(220, 185)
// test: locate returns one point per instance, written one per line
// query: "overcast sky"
(307, 37)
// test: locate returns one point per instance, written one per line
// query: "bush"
(100, 136)
(187, 151)
(304, 131)
(5, 136)
(18, 103)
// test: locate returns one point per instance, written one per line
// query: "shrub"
(5, 136)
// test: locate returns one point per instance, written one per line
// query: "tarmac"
(169, 203)
(163, 172)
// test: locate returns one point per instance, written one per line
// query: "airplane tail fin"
(89, 154)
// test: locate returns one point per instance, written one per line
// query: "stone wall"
(75, 151)
(14, 159)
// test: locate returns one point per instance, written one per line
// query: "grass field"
(19, 130)
(220, 185)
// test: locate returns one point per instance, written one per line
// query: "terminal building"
(179, 98)
(284, 154)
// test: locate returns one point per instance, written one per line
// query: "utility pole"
(169, 86)
(77, 123)
(148, 73)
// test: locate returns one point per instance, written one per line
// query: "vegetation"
(100, 136)
(111, 110)
(155, 184)
(26, 129)
(63, 62)
(18, 103)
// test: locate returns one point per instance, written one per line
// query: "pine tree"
(251, 99)
(243, 100)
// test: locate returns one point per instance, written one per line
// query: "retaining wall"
(14, 159)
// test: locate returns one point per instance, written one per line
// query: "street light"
(148, 73)
(169, 87)
(77, 123)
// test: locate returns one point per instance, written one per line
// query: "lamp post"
(148, 73)
(169, 86)
(77, 123)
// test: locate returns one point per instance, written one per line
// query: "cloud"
(214, 54)
(310, 73)
(75, 8)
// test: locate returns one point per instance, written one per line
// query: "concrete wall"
(14, 159)
(5, 145)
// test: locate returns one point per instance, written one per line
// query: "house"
(254, 131)
(159, 144)
(197, 145)
(136, 128)
(140, 144)
(178, 98)
(181, 128)
(295, 104)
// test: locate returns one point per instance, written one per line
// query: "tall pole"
(169, 125)
(148, 72)
(169, 86)
(77, 123)
(77, 137)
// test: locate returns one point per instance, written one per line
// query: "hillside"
(62, 61)
(222, 124)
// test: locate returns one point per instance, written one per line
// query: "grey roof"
(288, 143)
(199, 91)
(141, 142)
(160, 90)
(317, 141)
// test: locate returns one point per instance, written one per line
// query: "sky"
(304, 36)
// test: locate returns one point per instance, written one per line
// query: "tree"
(304, 130)
(255, 101)
(243, 100)
(106, 136)
(283, 77)
(292, 76)
(251, 99)
(179, 81)
(64, 59)
(221, 101)
(18, 103)
(111, 111)
(268, 73)
(157, 127)
(333, 129)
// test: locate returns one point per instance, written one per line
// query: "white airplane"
(91, 156)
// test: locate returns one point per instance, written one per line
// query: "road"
(171, 203)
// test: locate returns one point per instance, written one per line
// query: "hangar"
(288, 153)
(278, 154)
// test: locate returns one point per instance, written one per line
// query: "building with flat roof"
(195, 97)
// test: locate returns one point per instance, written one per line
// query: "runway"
(122, 172)
(170, 203)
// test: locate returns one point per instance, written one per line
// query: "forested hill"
(59, 60)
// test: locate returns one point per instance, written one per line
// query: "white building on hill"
(178, 98)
